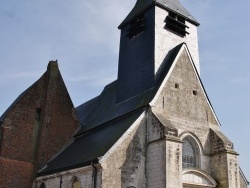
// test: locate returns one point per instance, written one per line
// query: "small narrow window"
(176, 85)
(136, 26)
(194, 92)
(76, 183)
(176, 23)
(42, 185)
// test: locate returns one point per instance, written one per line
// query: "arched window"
(76, 183)
(42, 185)
(190, 153)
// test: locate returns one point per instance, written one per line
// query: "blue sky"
(83, 36)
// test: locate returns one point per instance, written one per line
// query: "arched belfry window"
(190, 153)
(76, 183)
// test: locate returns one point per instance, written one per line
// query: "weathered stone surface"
(166, 40)
(125, 166)
(65, 179)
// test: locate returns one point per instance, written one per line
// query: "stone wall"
(125, 163)
(174, 164)
(182, 101)
(65, 179)
(156, 164)
(186, 107)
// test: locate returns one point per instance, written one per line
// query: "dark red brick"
(39, 125)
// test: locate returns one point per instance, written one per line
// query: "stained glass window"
(190, 153)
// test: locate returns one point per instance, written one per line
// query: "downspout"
(61, 182)
(94, 174)
(146, 144)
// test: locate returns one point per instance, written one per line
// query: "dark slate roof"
(103, 108)
(103, 122)
(172, 5)
(88, 148)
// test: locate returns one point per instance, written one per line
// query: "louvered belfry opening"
(176, 23)
(137, 26)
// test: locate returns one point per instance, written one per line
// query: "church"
(153, 127)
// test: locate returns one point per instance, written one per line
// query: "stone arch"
(187, 133)
(197, 178)
(191, 151)
(75, 182)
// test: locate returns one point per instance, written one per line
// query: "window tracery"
(190, 153)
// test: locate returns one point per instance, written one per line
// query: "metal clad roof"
(139, 7)
(177, 7)
(91, 146)
(174, 5)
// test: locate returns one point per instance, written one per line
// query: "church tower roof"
(172, 5)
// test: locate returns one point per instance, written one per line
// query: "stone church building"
(153, 127)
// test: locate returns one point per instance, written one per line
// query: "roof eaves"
(101, 139)
(87, 163)
(80, 133)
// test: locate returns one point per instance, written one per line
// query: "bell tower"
(149, 34)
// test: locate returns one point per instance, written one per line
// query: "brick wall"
(38, 125)
(16, 174)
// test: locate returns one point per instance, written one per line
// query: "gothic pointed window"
(76, 183)
(190, 153)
